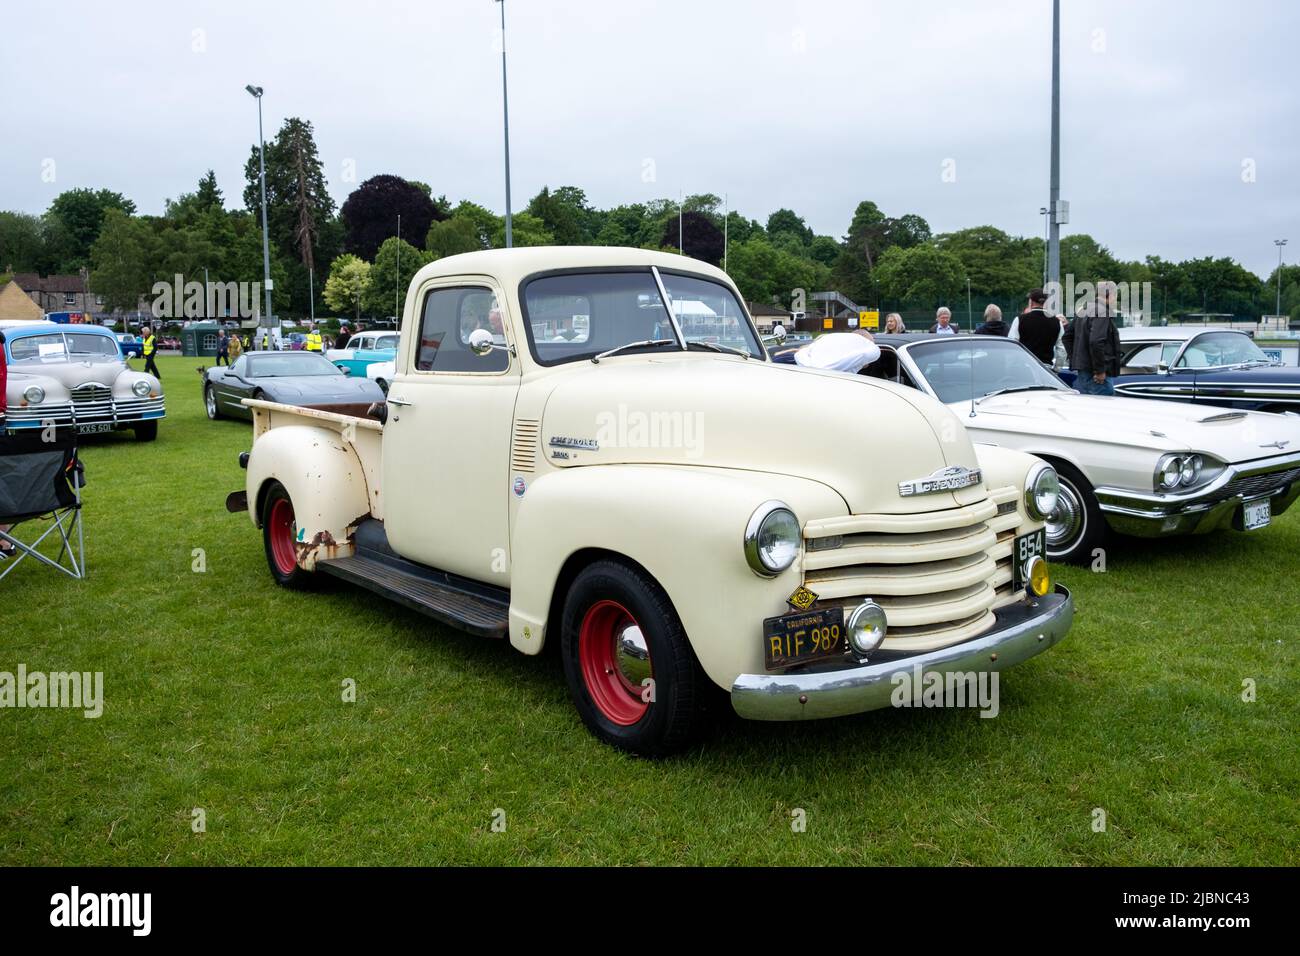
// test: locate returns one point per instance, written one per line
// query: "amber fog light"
(1040, 581)
(866, 628)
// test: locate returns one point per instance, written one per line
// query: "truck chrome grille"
(938, 575)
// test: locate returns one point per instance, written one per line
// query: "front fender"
(686, 530)
(1004, 467)
(326, 483)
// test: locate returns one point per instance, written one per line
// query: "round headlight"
(772, 538)
(141, 388)
(34, 395)
(1171, 473)
(1191, 469)
(866, 628)
(1042, 486)
(1040, 581)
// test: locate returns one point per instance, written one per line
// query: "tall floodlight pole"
(681, 246)
(505, 122)
(256, 93)
(1042, 211)
(970, 320)
(1053, 206)
(1279, 243)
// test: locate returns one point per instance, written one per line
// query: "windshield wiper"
(718, 348)
(1018, 388)
(645, 343)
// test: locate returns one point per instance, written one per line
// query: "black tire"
(210, 403)
(145, 431)
(383, 385)
(278, 539)
(671, 706)
(1083, 526)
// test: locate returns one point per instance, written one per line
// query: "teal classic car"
(362, 350)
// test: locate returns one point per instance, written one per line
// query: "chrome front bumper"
(1147, 515)
(119, 413)
(1022, 630)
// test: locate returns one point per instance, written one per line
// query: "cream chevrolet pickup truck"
(589, 446)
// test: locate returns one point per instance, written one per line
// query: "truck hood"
(859, 437)
(1228, 434)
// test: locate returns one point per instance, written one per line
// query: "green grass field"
(223, 692)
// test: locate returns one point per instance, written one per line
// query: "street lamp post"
(505, 122)
(970, 319)
(256, 93)
(1042, 211)
(1279, 243)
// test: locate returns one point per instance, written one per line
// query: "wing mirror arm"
(777, 336)
(481, 344)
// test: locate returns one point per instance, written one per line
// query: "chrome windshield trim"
(668, 304)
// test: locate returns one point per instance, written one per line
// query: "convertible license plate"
(802, 637)
(94, 429)
(1256, 514)
(1026, 546)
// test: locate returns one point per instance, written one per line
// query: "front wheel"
(631, 671)
(210, 403)
(280, 537)
(1076, 527)
(145, 431)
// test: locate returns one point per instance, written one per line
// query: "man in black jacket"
(1092, 342)
(1037, 329)
(993, 324)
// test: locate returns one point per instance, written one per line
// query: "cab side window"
(449, 316)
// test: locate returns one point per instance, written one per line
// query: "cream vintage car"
(577, 447)
(76, 377)
(1130, 465)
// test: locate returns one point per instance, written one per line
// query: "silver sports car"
(293, 378)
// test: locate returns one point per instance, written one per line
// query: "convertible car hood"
(859, 437)
(1231, 435)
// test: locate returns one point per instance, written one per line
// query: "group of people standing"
(1089, 344)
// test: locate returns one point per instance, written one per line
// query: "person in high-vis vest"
(314, 343)
(150, 350)
(266, 341)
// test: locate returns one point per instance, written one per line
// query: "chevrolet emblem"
(801, 599)
(952, 478)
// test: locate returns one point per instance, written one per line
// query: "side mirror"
(778, 334)
(480, 342)
(1162, 368)
(344, 369)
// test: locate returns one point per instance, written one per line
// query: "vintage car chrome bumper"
(1215, 506)
(1022, 630)
(116, 412)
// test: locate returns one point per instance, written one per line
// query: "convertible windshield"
(980, 366)
(279, 365)
(581, 315)
(1218, 349)
(61, 346)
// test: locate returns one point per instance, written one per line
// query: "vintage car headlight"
(866, 628)
(1186, 471)
(34, 395)
(141, 388)
(1041, 489)
(772, 538)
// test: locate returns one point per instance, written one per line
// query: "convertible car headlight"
(772, 538)
(140, 388)
(34, 395)
(1041, 489)
(1185, 471)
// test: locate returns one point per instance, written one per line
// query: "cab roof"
(511, 266)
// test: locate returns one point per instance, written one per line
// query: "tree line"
(353, 261)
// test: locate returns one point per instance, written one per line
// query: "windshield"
(580, 315)
(281, 365)
(61, 346)
(386, 342)
(1217, 349)
(999, 365)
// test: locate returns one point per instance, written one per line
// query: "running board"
(479, 609)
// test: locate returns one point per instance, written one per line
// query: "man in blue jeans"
(1092, 343)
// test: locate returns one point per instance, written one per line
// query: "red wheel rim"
(604, 663)
(280, 527)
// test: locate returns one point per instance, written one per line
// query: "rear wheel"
(631, 672)
(145, 431)
(1076, 527)
(383, 385)
(280, 536)
(210, 403)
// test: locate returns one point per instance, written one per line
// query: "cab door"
(446, 448)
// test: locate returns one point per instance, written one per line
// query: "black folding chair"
(42, 480)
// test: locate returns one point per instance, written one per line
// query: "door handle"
(397, 401)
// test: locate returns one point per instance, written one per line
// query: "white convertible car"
(1131, 465)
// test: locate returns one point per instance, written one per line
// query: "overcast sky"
(1169, 106)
